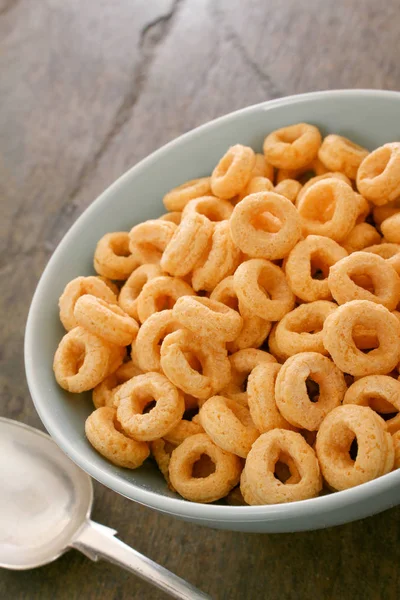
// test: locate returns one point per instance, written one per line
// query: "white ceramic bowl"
(368, 117)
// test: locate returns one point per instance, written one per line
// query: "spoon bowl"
(44, 498)
(45, 507)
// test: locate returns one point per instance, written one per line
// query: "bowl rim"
(178, 506)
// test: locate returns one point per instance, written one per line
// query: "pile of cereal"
(250, 335)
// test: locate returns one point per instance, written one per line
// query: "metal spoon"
(45, 506)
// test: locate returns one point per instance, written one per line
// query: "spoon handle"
(98, 541)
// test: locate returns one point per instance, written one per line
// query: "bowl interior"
(369, 118)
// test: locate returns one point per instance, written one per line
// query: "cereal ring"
(242, 364)
(229, 425)
(203, 489)
(292, 147)
(290, 188)
(177, 198)
(150, 336)
(256, 184)
(77, 288)
(148, 240)
(338, 153)
(337, 432)
(385, 250)
(220, 261)
(396, 445)
(254, 331)
(262, 168)
(321, 177)
(338, 338)
(81, 361)
(130, 291)
(329, 208)
(174, 217)
(233, 171)
(183, 430)
(261, 398)
(313, 169)
(307, 267)
(306, 406)
(133, 397)
(107, 321)
(263, 290)
(208, 318)
(367, 390)
(103, 432)
(301, 329)
(259, 484)
(391, 229)
(384, 279)
(112, 257)
(258, 242)
(159, 294)
(214, 362)
(215, 209)
(381, 213)
(360, 237)
(162, 450)
(378, 177)
(187, 245)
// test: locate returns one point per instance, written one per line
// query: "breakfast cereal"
(249, 338)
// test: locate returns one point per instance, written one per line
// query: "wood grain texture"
(89, 88)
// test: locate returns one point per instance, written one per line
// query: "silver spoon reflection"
(45, 506)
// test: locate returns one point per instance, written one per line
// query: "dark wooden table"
(88, 88)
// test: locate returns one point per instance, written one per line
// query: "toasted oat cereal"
(292, 147)
(103, 432)
(217, 484)
(113, 258)
(252, 332)
(229, 425)
(233, 172)
(259, 484)
(339, 341)
(338, 153)
(306, 406)
(249, 234)
(378, 177)
(133, 396)
(334, 438)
